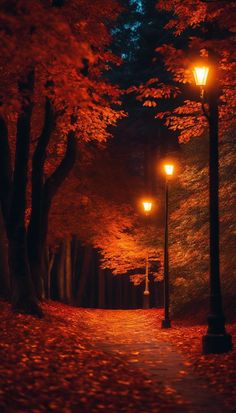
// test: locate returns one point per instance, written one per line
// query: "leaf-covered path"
(79, 360)
(136, 340)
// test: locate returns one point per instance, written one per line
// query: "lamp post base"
(166, 323)
(146, 303)
(216, 343)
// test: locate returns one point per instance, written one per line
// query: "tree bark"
(60, 272)
(75, 252)
(23, 294)
(50, 256)
(101, 290)
(109, 289)
(35, 235)
(5, 192)
(92, 285)
(4, 268)
(54, 182)
(42, 195)
(5, 170)
(68, 271)
(83, 275)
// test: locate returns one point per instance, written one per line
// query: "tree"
(117, 231)
(189, 249)
(53, 93)
(105, 212)
(200, 29)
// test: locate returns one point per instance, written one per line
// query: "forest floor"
(83, 360)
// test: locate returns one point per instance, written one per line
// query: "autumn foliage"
(107, 214)
(53, 94)
(198, 31)
(189, 228)
(51, 369)
(70, 204)
(58, 108)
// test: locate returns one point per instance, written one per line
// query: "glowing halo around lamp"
(169, 169)
(147, 206)
(200, 75)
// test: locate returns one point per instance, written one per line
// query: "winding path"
(129, 336)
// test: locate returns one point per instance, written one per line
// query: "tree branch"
(37, 177)
(181, 115)
(56, 179)
(43, 140)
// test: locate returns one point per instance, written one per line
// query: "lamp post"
(147, 206)
(166, 323)
(216, 340)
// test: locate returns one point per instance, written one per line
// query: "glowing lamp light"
(200, 75)
(169, 169)
(147, 206)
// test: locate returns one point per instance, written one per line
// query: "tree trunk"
(83, 275)
(50, 256)
(126, 292)
(42, 196)
(101, 291)
(5, 192)
(75, 249)
(23, 298)
(4, 268)
(36, 229)
(50, 188)
(68, 271)
(109, 289)
(60, 272)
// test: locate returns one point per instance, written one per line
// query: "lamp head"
(169, 169)
(147, 206)
(200, 75)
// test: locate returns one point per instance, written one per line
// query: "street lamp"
(147, 206)
(216, 340)
(166, 323)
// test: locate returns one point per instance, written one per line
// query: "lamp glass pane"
(200, 75)
(147, 206)
(169, 169)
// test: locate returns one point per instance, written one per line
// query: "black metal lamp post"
(147, 206)
(216, 340)
(166, 323)
(146, 293)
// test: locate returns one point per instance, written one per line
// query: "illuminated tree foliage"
(53, 93)
(199, 30)
(58, 108)
(189, 228)
(104, 213)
